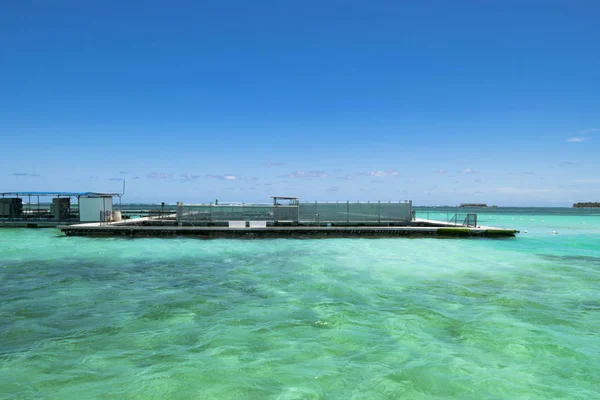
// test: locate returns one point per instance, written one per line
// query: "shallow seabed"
(304, 319)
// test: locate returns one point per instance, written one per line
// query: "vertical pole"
(379, 207)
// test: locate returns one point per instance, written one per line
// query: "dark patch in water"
(570, 258)
(591, 305)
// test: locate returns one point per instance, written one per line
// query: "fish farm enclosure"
(93, 215)
(296, 213)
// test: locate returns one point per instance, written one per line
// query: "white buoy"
(525, 231)
(554, 233)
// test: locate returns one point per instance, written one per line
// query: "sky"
(439, 102)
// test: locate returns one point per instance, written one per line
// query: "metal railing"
(305, 213)
(356, 212)
(202, 213)
(457, 219)
(35, 213)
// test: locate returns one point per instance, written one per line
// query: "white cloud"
(588, 181)
(440, 171)
(388, 172)
(306, 174)
(582, 135)
(226, 177)
(188, 177)
(467, 171)
(158, 175)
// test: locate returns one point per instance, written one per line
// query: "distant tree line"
(587, 204)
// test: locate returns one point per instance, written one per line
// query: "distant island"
(586, 204)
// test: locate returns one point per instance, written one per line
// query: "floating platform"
(143, 227)
(31, 224)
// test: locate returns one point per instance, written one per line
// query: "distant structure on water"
(473, 205)
(589, 204)
(47, 209)
(286, 217)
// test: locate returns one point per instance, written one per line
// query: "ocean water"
(419, 318)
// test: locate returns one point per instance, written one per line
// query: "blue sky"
(435, 101)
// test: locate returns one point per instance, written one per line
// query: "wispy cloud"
(188, 177)
(582, 135)
(514, 190)
(306, 174)
(588, 180)
(273, 163)
(467, 171)
(136, 177)
(566, 164)
(587, 131)
(354, 176)
(115, 179)
(333, 189)
(387, 172)
(158, 175)
(440, 171)
(25, 174)
(250, 178)
(123, 172)
(226, 177)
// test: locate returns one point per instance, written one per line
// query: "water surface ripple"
(303, 319)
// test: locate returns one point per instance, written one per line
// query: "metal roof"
(61, 194)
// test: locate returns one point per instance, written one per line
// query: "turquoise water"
(305, 319)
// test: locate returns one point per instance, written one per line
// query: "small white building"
(95, 208)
